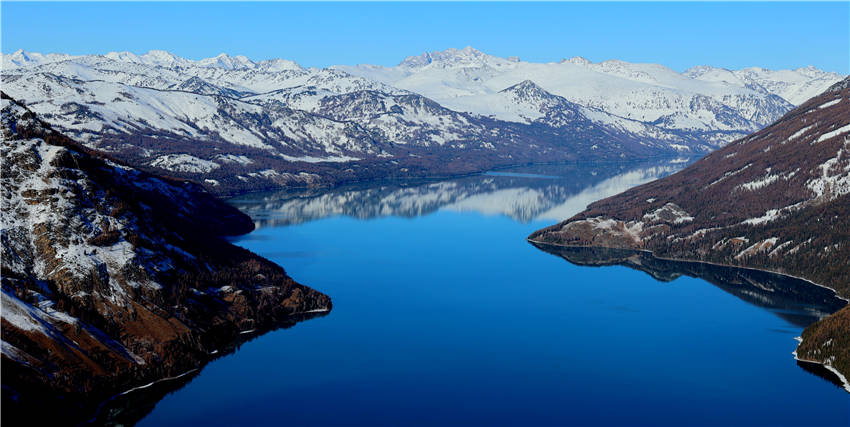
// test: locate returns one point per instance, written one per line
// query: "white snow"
(184, 163)
(834, 133)
(833, 175)
(127, 92)
(766, 180)
(799, 133)
(669, 213)
(231, 158)
(761, 246)
(770, 215)
(21, 315)
(311, 159)
(829, 104)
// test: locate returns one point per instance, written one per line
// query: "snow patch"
(184, 163)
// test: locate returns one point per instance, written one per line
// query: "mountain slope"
(442, 113)
(343, 134)
(113, 278)
(651, 94)
(778, 200)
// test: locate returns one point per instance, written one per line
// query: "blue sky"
(679, 35)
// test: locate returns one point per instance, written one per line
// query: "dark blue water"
(449, 317)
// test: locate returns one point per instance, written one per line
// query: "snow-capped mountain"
(795, 86)
(459, 110)
(466, 79)
(21, 58)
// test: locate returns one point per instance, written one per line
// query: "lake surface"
(445, 315)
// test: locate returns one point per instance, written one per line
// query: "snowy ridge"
(694, 100)
(148, 108)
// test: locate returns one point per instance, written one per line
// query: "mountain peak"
(523, 86)
(279, 65)
(578, 60)
(123, 56)
(162, 54)
(417, 60)
(227, 62)
(23, 58)
(20, 53)
(527, 90)
(162, 58)
(449, 57)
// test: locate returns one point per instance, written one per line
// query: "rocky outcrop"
(113, 278)
(777, 200)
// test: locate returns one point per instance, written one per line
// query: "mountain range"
(236, 125)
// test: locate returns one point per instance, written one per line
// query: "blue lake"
(444, 315)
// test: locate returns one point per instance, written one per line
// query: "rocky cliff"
(113, 278)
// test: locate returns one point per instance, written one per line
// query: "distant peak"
(698, 71)
(122, 56)
(578, 60)
(525, 84)
(160, 53)
(21, 55)
(227, 62)
(526, 88)
(450, 56)
(418, 60)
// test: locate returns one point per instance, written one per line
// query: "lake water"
(445, 315)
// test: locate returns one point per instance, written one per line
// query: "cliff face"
(778, 199)
(112, 278)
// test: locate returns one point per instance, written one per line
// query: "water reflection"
(128, 408)
(525, 194)
(799, 302)
(489, 331)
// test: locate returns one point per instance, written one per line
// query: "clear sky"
(679, 35)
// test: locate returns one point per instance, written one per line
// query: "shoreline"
(841, 377)
(227, 195)
(764, 270)
(845, 382)
(100, 406)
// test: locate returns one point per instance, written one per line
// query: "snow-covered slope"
(466, 79)
(796, 86)
(98, 111)
(462, 110)
(21, 58)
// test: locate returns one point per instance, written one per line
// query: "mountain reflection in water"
(440, 303)
(551, 192)
(797, 301)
